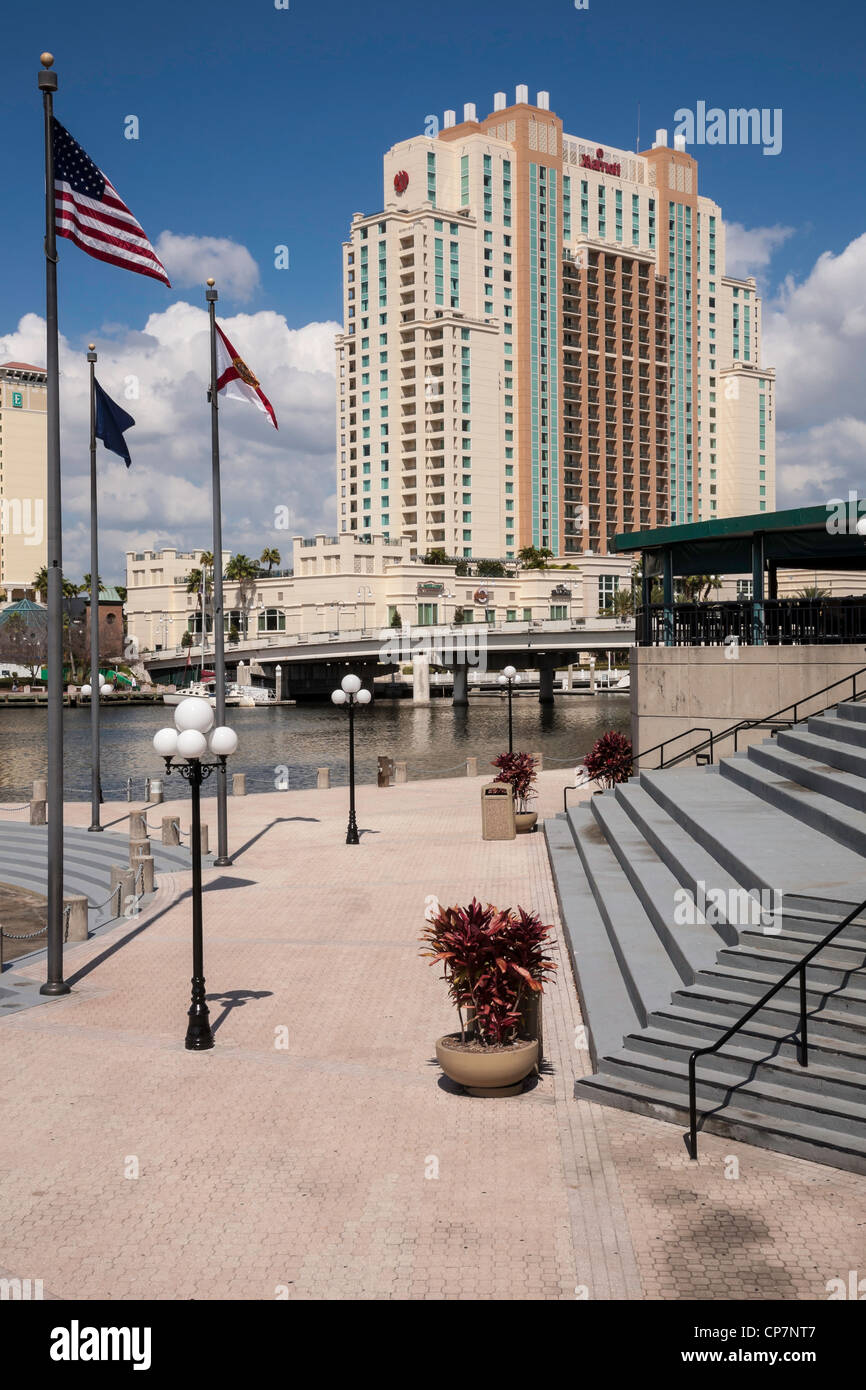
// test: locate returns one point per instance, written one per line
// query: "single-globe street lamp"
(509, 678)
(350, 694)
(191, 738)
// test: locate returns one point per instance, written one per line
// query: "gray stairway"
(87, 862)
(786, 816)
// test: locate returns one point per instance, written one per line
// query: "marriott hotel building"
(541, 347)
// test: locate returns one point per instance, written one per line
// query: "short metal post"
(198, 1034)
(693, 1109)
(352, 832)
(803, 1044)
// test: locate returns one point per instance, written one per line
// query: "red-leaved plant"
(519, 770)
(493, 959)
(610, 759)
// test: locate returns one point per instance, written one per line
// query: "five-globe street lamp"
(351, 694)
(509, 678)
(191, 738)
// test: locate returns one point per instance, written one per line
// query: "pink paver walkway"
(314, 1153)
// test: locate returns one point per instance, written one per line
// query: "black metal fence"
(775, 622)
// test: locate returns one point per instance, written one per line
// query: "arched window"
(272, 620)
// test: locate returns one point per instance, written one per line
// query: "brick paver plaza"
(317, 1152)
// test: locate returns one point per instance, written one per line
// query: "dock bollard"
(400, 773)
(239, 784)
(38, 812)
(137, 848)
(40, 789)
(76, 905)
(125, 880)
(384, 769)
(137, 825)
(204, 839)
(323, 778)
(171, 830)
(539, 761)
(146, 882)
(471, 767)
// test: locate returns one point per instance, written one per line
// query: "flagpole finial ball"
(47, 60)
(91, 347)
(211, 282)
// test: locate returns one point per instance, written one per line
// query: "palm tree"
(813, 591)
(244, 572)
(532, 558)
(206, 559)
(270, 558)
(40, 583)
(84, 586)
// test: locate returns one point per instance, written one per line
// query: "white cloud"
(190, 260)
(748, 250)
(815, 337)
(165, 497)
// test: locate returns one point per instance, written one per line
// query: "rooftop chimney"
(449, 119)
(469, 111)
(679, 142)
(661, 139)
(522, 95)
(544, 101)
(498, 101)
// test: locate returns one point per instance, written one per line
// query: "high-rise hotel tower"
(541, 346)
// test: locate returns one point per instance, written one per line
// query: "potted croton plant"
(518, 769)
(494, 966)
(610, 760)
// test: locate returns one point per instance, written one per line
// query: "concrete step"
(826, 752)
(745, 1059)
(647, 970)
(729, 1000)
(690, 944)
(775, 1093)
(822, 813)
(854, 710)
(692, 866)
(760, 845)
(605, 1004)
(831, 726)
(837, 784)
(718, 1088)
(820, 975)
(842, 953)
(847, 1000)
(698, 1029)
(734, 1122)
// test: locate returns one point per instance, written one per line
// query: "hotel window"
(431, 177)
(272, 620)
(464, 180)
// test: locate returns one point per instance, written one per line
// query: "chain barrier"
(23, 936)
(25, 807)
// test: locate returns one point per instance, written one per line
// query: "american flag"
(91, 213)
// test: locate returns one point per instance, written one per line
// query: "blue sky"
(266, 126)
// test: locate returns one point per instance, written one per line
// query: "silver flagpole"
(95, 780)
(54, 981)
(222, 858)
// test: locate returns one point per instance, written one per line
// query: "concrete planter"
(497, 1072)
(524, 821)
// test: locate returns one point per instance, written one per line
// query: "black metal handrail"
(744, 724)
(803, 1043)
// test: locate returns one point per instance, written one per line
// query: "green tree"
(270, 558)
(490, 569)
(84, 586)
(244, 572)
(436, 557)
(396, 620)
(40, 583)
(623, 603)
(812, 591)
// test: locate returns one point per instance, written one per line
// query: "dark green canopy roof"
(33, 615)
(821, 537)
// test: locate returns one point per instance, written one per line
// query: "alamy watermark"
(740, 907)
(443, 646)
(737, 126)
(846, 518)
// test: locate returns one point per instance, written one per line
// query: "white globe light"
(86, 691)
(106, 689)
(194, 714)
(102, 679)
(339, 697)
(517, 680)
(363, 697)
(861, 526)
(509, 671)
(223, 741)
(503, 680)
(191, 743)
(351, 684)
(165, 742)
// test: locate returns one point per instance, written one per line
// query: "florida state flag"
(235, 378)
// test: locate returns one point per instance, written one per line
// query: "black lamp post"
(509, 678)
(194, 720)
(350, 694)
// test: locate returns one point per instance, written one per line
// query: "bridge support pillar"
(421, 679)
(461, 685)
(545, 685)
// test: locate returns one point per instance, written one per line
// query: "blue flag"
(111, 423)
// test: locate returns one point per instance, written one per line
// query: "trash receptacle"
(497, 812)
(155, 790)
(385, 770)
